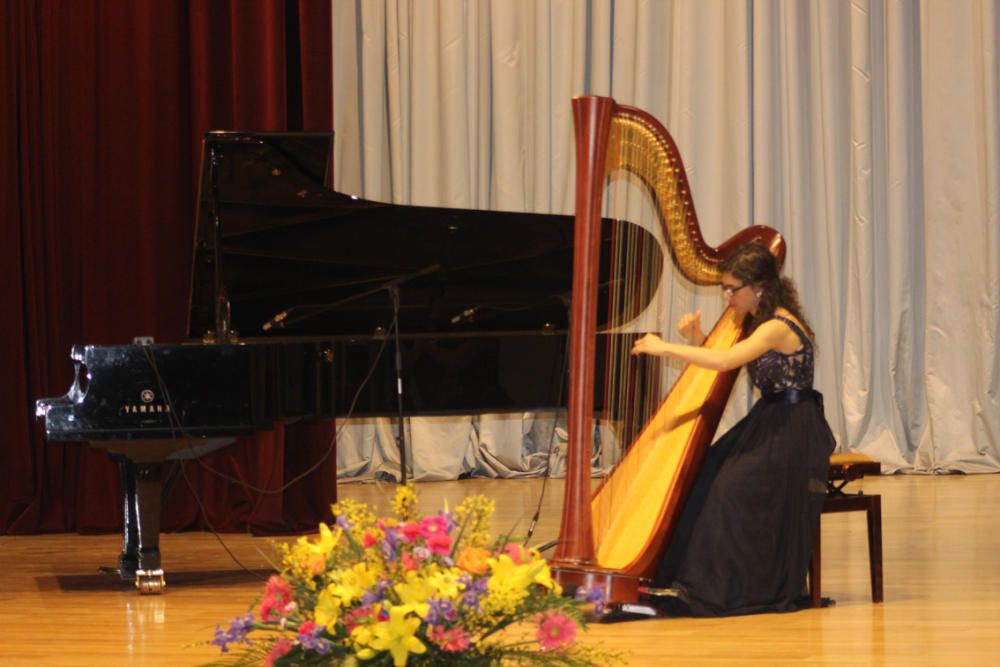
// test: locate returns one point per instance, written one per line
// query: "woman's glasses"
(729, 290)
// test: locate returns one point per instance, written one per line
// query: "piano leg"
(141, 489)
(128, 561)
(148, 489)
(140, 465)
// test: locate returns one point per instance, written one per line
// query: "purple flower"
(237, 633)
(389, 545)
(309, 638)
(387, 551)
(440, 611)
(241, 626)
(344, 523)
(474, 589)
(595, 595)
(376, 594)
(221, 639)
(391, 535)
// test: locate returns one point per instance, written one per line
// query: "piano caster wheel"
(149, 582)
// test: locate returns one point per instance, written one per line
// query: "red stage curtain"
(106, 104)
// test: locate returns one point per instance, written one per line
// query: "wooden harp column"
(616, 536)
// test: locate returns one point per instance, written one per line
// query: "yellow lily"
(397, 635)
(414, 594)
(327, 609)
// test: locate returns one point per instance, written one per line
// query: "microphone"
(275, 321)
(464, 315)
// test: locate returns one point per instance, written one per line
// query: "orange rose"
(315, 564)
(473, 559)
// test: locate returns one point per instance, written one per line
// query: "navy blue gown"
(745, 538)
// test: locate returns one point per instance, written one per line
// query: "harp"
(614, 537)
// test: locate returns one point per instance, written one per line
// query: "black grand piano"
(300, 297)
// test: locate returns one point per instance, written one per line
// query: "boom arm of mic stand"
(325, 308)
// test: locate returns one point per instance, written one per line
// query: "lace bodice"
(773, 371)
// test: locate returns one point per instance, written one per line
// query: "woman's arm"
(763, 339)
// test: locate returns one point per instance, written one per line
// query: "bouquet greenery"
(410, 590)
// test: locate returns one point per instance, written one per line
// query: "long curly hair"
(753, 264)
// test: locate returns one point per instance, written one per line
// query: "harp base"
(618, 587)
(621, 613)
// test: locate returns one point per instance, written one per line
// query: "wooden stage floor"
(942, 588)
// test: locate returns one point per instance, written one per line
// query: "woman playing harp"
(616, 537)
(744, 539)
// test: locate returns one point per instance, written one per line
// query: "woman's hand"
(689, 326)
(649, 344)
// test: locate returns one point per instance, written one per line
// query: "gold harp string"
(628, 286)
(653, 276)
(638, 291)
(634, 150)
(610, 363)
(626, 311)
(624, 284)
(611, 378)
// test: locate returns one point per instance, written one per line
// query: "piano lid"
(290, 244)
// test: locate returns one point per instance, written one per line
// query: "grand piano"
(307, 303)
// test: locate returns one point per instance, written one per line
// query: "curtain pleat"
(315, 55)
(107, 106)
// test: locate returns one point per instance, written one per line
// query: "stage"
(942, 588)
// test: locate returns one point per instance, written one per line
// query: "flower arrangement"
(410, 590)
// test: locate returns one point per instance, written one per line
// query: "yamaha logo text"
(146, 406)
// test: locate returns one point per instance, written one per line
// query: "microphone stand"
(391, 286)
(401, 436)
(563, 371)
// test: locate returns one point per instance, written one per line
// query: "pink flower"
(306, 627)
(369, 540)
(277, 596)
(453, 641)
(556, 631)
(280, 648)
(411, 531)
(440, 543)
(275, 584)
(434, 525)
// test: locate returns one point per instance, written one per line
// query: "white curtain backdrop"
(867, 132)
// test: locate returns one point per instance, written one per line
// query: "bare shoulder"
(771, 332)
(781, 312)
(791, 340)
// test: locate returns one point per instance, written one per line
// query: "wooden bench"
(846, 468)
